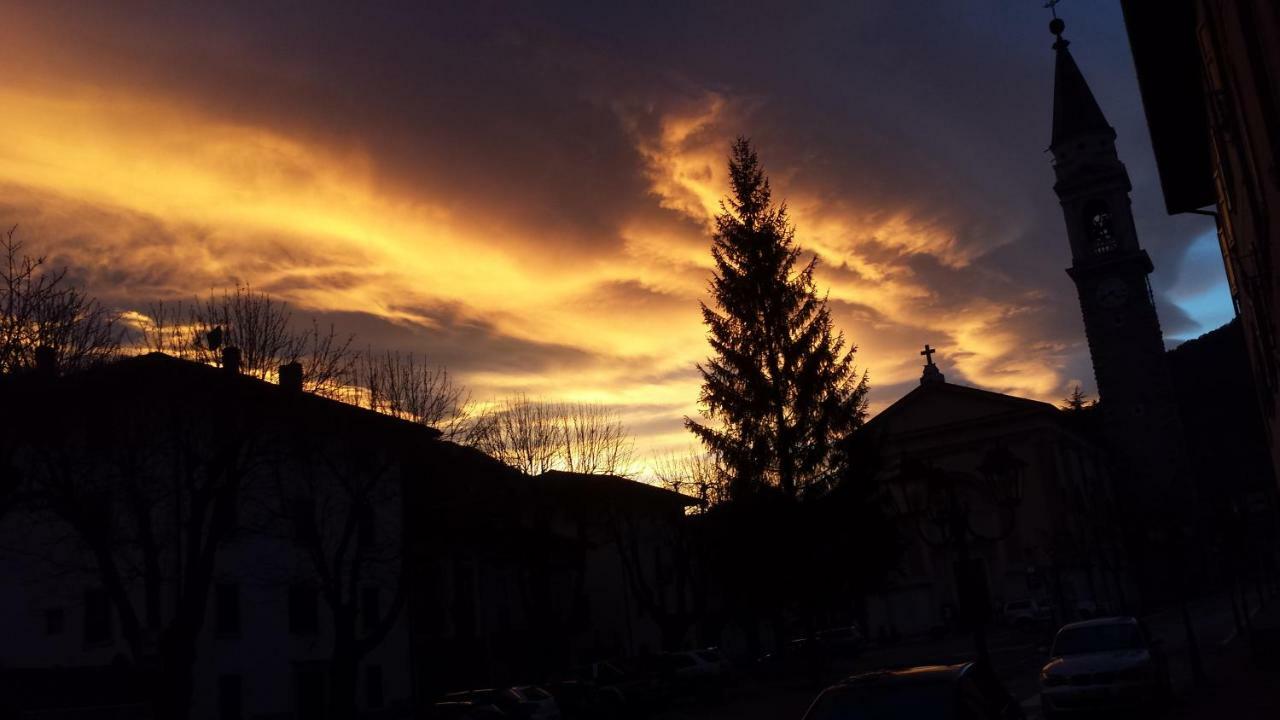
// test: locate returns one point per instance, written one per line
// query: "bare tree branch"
(39, 308)
(535, 436)
(262, 327)
(694, 473)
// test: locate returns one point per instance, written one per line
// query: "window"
(369, 609)
(55, 620)
(97, 617)
(373, 686)
(304, 616)
(230, 694)
(1098, 227)
(226, 600)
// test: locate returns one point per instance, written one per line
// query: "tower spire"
(1075, 111)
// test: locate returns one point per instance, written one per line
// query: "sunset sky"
(523, 191)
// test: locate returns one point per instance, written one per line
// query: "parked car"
(575, 698)
(527, 702)
(619, 684)
(1027, 613)
(1108, 663)
(1088, 609)
(845, 641)
(801, 657)
(691, 673)
(465, 710)
(941, 692)
(704, 664)
(533, 703)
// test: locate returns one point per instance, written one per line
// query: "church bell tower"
(1110, 271)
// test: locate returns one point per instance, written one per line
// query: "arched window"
(1097, 224)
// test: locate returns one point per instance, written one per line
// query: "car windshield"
(1098, 638)
(898, 701)
(607, 673)
(678, 661)
(710, 656)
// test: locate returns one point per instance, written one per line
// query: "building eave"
(1166, 56)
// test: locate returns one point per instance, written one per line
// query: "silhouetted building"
(1110, 269)
(1209, 73)
(524, 578)
(172, 510)
(1055, 542)
(290, 536)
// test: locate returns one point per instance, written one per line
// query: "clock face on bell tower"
(1112, 293)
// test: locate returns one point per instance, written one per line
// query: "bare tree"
(264, 330)
(39, 308)
(401, 386)
(338, 495)
(659, 560)
(150, 497)
(693, 473)
(520, 432)
(593, 440)
(535, 436)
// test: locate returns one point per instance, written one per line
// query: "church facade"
(1054, 543)
(1104, 491)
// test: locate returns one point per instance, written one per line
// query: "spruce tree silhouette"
(1077, 400)
(781, 390)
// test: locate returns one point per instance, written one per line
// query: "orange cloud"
(170, 190)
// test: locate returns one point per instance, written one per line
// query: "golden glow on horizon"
(324, 214)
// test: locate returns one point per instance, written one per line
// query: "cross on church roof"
(931, 372)
(928, 352)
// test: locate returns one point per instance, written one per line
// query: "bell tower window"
(1097, 222)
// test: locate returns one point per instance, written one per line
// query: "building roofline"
(150, 365)
(572, 481)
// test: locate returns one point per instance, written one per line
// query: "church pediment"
(945, 404)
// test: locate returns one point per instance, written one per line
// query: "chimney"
(231, 360)
(291, 377)
(46, 361)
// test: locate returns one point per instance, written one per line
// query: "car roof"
(1117, 620)
(921, 673)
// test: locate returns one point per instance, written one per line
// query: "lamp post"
(941, 504)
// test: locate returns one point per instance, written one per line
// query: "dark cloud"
(462, 341)
(909, 136)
